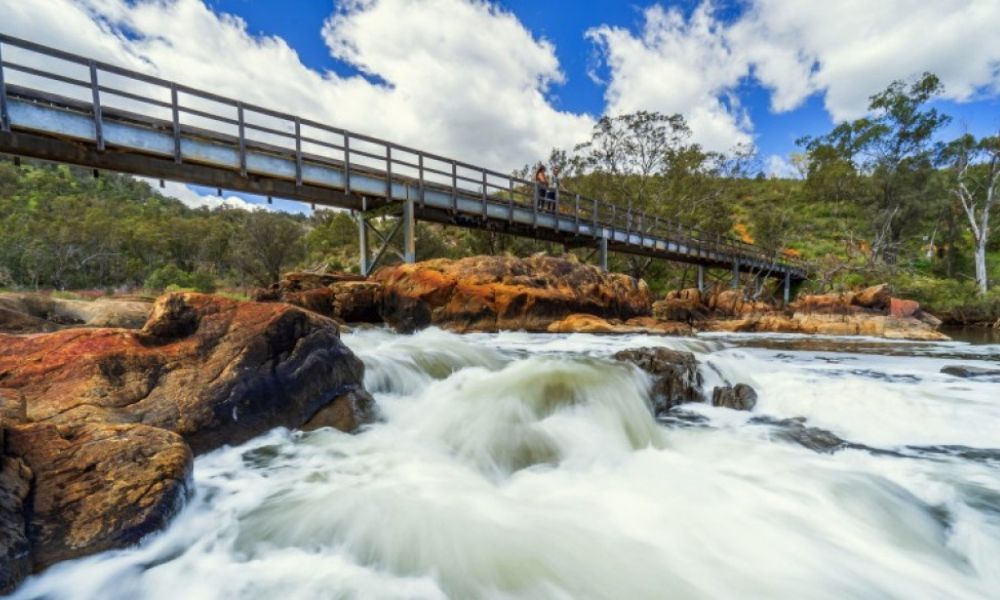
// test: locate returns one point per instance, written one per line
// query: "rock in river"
(101, 424)
(676, 379)
(490, 293)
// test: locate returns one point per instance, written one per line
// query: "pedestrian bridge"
(66, 108)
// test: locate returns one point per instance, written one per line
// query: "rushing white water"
(530, 466)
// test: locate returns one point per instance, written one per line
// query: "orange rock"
(214, 370)
(900, 308)
(490, 293)
(584, 323)
(98, 486)
(875, 297)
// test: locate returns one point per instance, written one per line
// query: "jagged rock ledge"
(98, 426)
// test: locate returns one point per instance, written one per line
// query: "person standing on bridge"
(541, 188)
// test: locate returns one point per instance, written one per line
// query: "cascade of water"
(530, 466)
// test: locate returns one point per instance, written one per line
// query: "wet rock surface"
(15, 550)
(737, 397)
(491, 293)
(676, 379)
(98, 486)
(969, 372)
(101, 424)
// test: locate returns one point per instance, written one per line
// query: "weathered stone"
(490, 293)
(357, 301)
(738, 397)
(675, 375)
(969, 372)
(679, 309)
(346, 412)
(15, 550)
(875, 297)
(98, 486)
(214, 370)
(900, 308)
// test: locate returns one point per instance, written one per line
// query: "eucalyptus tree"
(975, 182)
(893, 150)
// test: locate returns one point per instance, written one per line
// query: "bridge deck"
(151, 127)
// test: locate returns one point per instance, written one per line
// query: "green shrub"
(167, 276)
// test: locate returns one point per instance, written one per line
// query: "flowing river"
(530, 466)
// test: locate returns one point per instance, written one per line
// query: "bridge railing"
(102, 89)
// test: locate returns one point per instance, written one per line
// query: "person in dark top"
(545, 199)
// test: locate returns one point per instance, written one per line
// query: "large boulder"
(676, 379)
(214, 370)
(490, 293)
(98, 486)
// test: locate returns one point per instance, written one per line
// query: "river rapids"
(530, 466)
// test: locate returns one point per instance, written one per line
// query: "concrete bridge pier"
(736, 274)
(787, 292)
(701, 278)
(602, 253)
(409, 233)
(362, 241)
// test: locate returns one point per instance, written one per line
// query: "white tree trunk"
(981, 265)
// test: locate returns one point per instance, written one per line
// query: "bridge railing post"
(95, 93)
(596, 221)
(388, 172)
(454, 187)
(420, 174)
(243, 140)
(175, 117)
(298, 152)
(485, 195)
(347, 162)
(510, 200)
(4, 114)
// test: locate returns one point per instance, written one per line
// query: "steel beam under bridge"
(98, 115)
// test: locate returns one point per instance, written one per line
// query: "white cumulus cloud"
(460, 77)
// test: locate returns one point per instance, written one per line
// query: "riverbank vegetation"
(882, 198)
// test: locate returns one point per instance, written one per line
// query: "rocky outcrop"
(737, 397)
(830, 324)
(870, 312)
(98, 486)
(342, 296)
(491, 293)
(584, 323)
(32, 313)
(676, 379)
(214, 370)
(103, 422)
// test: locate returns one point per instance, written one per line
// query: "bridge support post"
(602, 252)
(409, 233)
(701, 278)
(362, 241)
(787, 296)
(736, 274)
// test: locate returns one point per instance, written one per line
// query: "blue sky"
(500, 83)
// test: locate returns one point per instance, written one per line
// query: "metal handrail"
(599, 214)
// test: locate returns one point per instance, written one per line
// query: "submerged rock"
(738, 397)
(490, 293)
(676, 379)
(969, 372)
